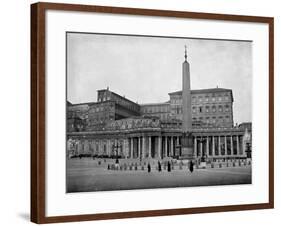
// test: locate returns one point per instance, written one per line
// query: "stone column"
(172, 146)
(231, 145)
(201, 148)
(166, 146)
(124, 150)
(99, 147)
(219, 146)
(107, 147)
(128, 148)
(79, 147)
(139, 146)
(243, 147)
(207, 147)
(143, 148)
(94, 147)
(195, 146)
(159, 146)
(225, 146)
(237, 143)
(149, 147)
(110, 147)
(213, 148)
(131, 147)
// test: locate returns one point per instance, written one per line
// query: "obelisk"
(187, 141)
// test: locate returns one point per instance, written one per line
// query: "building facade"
(116, 126)
(153, 131)
(144, 138)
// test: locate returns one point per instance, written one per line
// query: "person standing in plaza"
(169, 167)
(159, 166)
(191, 166)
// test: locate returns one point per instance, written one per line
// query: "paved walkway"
(86, 175)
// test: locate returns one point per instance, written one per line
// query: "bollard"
(148, 168)
(159, 167)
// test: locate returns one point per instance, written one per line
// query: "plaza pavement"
(86, 174)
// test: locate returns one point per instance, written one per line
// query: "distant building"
(99, 125)
(154, 131)
(158, 110)
(210, 108)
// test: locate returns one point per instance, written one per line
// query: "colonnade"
(219, 146)
(145, 146)
(153, 146)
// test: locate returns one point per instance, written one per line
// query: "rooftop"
(116, 94)
(199, 91)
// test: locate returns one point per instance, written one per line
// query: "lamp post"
(248, 150)
(203, 157)
(115, 148)
(178, 151)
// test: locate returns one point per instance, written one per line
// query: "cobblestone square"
(86, 174)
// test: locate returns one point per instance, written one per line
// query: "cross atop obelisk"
(185, 53)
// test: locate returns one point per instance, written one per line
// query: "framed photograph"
(143, 112)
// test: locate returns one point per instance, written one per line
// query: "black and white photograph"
(147, 112)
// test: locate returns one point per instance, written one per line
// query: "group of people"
(168, 165)
(159, 166)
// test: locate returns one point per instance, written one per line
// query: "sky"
(145, 69)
